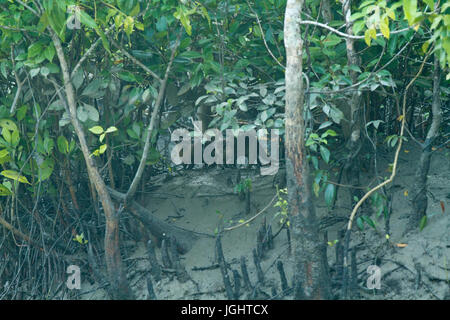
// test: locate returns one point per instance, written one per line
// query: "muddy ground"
(414, 265)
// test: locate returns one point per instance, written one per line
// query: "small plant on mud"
(283, 205)
(243, 189)
(379, 203)
(80, 239)
(243, 186)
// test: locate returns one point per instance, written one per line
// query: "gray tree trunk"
(352, 165)
(419, 200)
(311, 279)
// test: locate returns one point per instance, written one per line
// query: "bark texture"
(119, 288)
(419, 198)
(311, 277)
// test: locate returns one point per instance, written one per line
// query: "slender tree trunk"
(119, 286)
(419, 198)
(352, 167)
(326, 11)
(311, 277)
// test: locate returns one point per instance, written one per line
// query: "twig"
(137, 178)
(251, 219)
(397, 152)
(135, 61)
(264, 38)
(18, 82)
(343, 34)
(87, 53)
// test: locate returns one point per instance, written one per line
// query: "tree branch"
(397, 152)
(135, 61)
(87, 53)
(343, 34)
(264, 38)
(18, 82)
(137, 178)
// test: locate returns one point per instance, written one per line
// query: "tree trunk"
(352, 166)
(119, 288)
(419, 198)
(311, 277)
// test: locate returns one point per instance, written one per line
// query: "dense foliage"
(229, 55)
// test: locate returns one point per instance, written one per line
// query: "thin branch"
(370, 75)
(343, 34)
(87, 53)
(264, 38)
(17, 232)
(252, 218)
(29, 8)
(17, 29)
(135, 61)
(397, 152)
(18, 82)
(137, 178)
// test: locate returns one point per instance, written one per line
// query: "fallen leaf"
(402, 245)
(405, 193)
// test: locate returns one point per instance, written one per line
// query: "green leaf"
(325, 153)
(104, 39)
(384, 27)
(96, 130)
(34, 50)
(127, 76)
(65, 119)
(111, 129)
(14, 175)
(184, 19)
(92, 112)
(315, 162)
(316, 189)
(128, 25)
(15, 138)
(52, 67)
(410, 10)
(4, 191)
(87, 20)
(49, 53)
(4, 153)
(46, 169)
(369, 221)
(423, 222)
(102, 148)
(93, 89)
(45, 71)
(367, 37)
(360, 223)
(82, 114)
(190, 55)
(330, 192)
(7, 135)
(21, 112)
(63, 145)
(57, 105)
(34, 72)
(55, 12)
(153, 156)
(390, 13)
